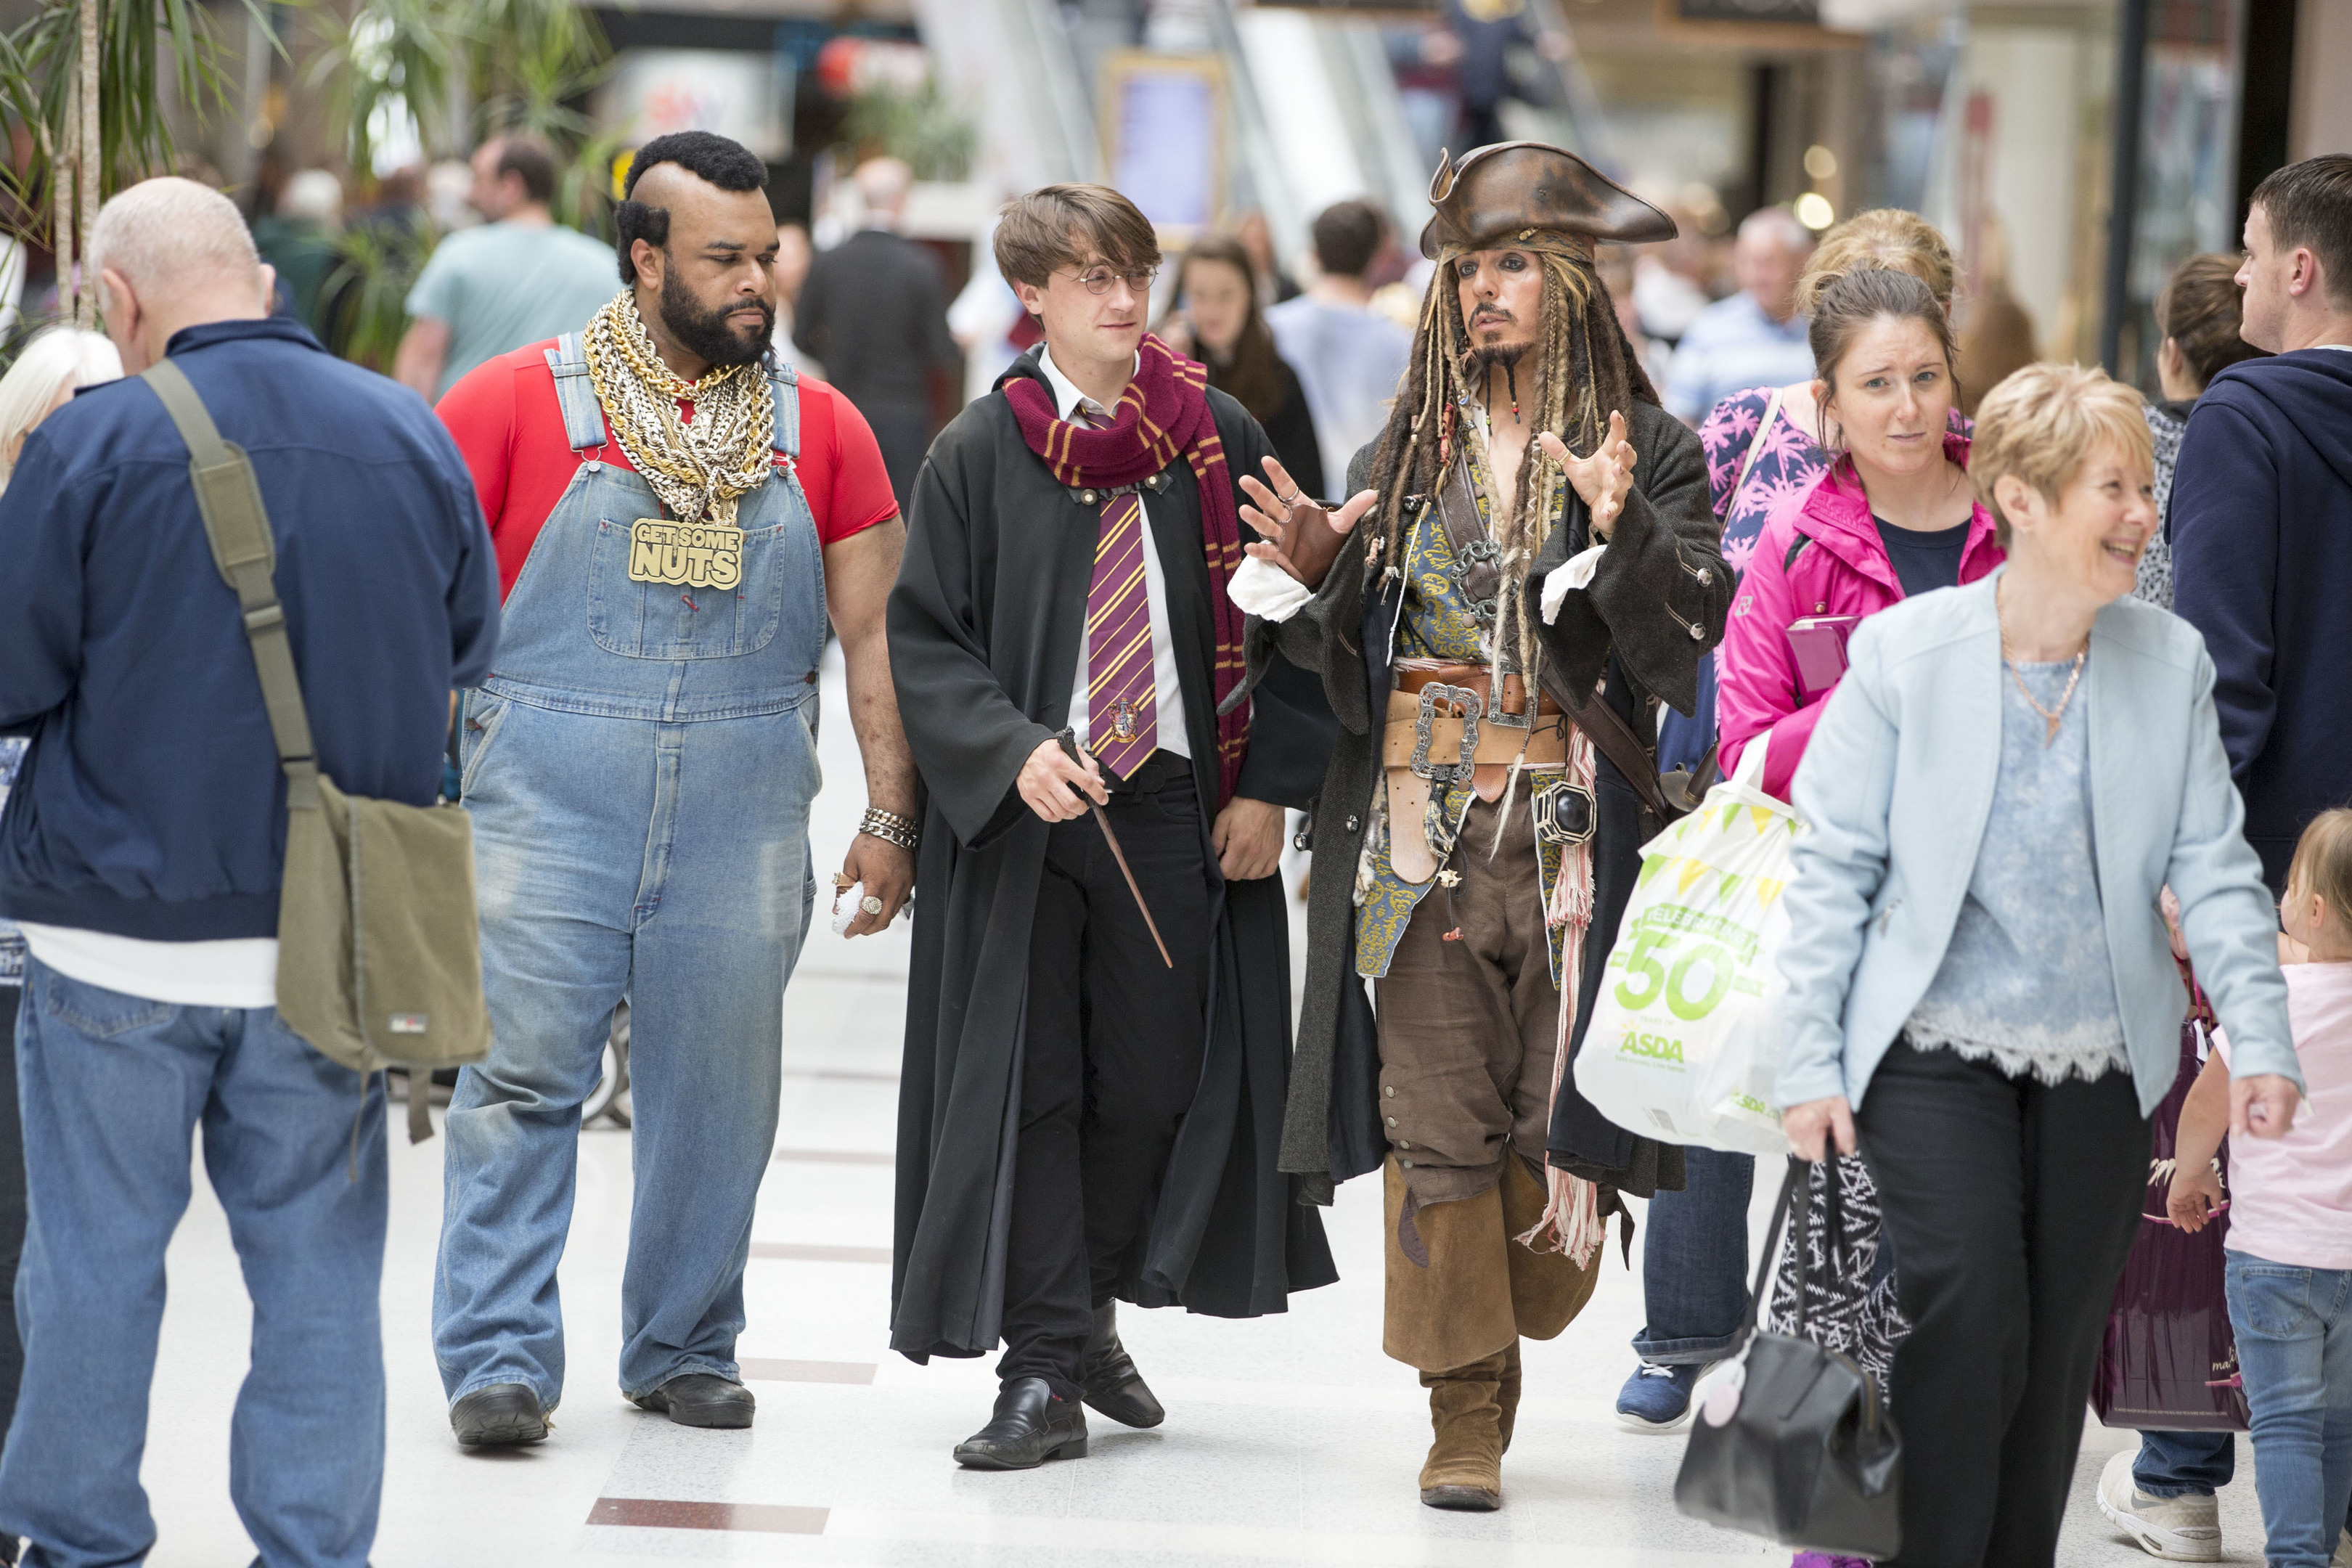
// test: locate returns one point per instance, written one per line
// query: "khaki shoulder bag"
(379, 955)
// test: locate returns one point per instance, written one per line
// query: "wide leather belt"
(1404, 744)
(1438, 734)
(1478, 678)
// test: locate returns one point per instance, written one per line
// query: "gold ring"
(870, 904)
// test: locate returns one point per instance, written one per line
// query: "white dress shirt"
(1168, 699)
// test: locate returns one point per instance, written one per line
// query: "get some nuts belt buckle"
(1464, 698)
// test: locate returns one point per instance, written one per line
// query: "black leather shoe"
(1031, 1427)
(701, 1399)
(1108, 1373)
(499, 1414)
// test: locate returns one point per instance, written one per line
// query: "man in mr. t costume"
(1467, 844)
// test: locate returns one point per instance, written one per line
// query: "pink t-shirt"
(2291, 1197)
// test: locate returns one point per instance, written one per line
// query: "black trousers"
(2012, 1205)
(1110, 1059)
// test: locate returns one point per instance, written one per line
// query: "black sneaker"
(498, 1415)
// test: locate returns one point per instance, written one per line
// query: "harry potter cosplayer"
(1097, 1021)
(675, 516)
(1492, 616)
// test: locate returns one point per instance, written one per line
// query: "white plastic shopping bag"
(1685, 1039)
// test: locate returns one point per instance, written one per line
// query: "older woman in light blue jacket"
(1981, 984)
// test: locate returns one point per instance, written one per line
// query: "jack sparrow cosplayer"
(1528, 563)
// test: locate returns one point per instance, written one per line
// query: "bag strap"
(1616, 741)
(1793, 1195)
(237, 526)
(1755, 445)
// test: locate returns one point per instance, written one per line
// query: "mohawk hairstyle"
(1585, 371)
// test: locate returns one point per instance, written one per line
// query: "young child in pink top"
(2290, 1253)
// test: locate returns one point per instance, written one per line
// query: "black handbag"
(1805, 1455)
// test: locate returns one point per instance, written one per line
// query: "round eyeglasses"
(1099, 279)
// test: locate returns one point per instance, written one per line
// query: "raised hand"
(1601, 480)
(1307, 538)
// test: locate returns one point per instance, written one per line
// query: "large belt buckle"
(1460, 697)
(1564, 813)
(1478, 552)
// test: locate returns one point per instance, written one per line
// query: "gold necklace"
(698, 468)
(2050, 716)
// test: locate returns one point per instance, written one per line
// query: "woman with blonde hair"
(51, 368)
(1981, 994)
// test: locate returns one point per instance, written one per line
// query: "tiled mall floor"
(1290, 1439)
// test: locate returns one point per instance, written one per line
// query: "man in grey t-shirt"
(518, 279)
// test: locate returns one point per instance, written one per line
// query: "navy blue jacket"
(151, 804)
(2261, 564)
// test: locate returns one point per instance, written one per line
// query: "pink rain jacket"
(1841, 571)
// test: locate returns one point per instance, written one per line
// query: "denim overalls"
(639, 767)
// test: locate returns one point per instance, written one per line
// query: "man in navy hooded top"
(2261, 514)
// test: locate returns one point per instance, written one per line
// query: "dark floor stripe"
(846, 1075)
(654, 1513)
(804, 1252)
(757, 1371)
(834, 1157)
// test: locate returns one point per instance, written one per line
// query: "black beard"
(707, 334)
(1499, 357)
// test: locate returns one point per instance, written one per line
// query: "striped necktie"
(1122, 707)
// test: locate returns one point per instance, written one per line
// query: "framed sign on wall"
(1163, 133)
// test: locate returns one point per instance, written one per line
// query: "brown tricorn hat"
(1494, 193)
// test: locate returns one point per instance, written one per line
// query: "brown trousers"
(1468, 1032)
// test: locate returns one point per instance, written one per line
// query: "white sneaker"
(2179, 1530)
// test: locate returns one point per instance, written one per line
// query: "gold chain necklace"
(2050, 716)
(698, 468)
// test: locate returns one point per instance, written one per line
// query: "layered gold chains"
(698, 466)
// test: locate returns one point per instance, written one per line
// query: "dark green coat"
(1661, 576)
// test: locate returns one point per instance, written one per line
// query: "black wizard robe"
(985, 624)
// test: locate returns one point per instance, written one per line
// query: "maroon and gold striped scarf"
(1164, 412)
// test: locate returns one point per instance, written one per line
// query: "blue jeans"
(2294, 1346)
(667, 863)
(2185, 1464)
(1694, 1261)
(110, 1087)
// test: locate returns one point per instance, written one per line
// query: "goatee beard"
(707, 334)
(1499, 357)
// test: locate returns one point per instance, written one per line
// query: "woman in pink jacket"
(1892, 517)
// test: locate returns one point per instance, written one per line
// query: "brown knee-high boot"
(1464, 1469)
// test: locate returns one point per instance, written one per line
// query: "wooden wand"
(1069, 738)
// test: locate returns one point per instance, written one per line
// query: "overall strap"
(575, 393)
(234, 521)
(784, 382)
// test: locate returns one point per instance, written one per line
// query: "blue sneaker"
(1657, 1398)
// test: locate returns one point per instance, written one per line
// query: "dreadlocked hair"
(1584, 370)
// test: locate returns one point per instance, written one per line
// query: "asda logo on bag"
(1750, 1103)
(1657, 1048)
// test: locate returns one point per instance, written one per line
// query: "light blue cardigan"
(1895, 791)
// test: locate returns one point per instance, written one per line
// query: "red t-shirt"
(504, 415)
